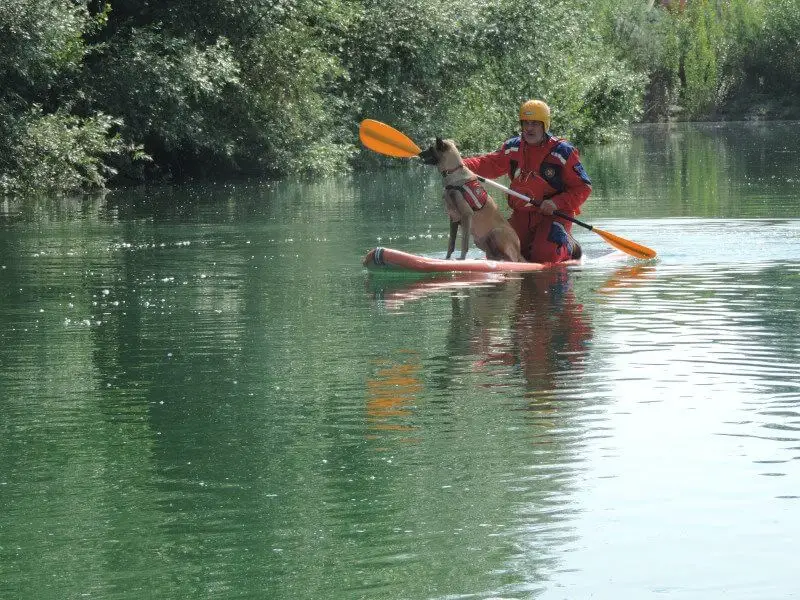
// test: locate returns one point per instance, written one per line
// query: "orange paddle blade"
(627, 246)
(384, 139)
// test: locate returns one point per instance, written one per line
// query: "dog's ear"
(440, 145)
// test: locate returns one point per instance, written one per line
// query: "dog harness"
(473, 192)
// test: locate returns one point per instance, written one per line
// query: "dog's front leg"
(466, 222)
(451, 243)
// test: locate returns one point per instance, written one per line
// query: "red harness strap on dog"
(473, 193)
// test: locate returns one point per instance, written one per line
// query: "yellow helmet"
(535, 110)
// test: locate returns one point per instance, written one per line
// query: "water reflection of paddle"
(391, 392)
(625, 277)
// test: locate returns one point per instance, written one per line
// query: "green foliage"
(479, 116)
(562, 59)
(43, 147)
(607, 101)
(702, 40)
(403, 60)
(292, 122)
(775, 60)
(170, 93)
(225, 88)
(743, 23)
(41, 47)
(203, 104)
(647, 38)
(55, 153)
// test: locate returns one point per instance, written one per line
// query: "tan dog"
(469, 206)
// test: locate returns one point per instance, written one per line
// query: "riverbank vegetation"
(96, 93)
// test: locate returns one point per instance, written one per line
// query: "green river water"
(204, 395)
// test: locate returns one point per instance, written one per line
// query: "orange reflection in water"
(400, 293)
(391, 392)
(627, 277)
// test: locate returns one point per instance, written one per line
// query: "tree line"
(105, 92)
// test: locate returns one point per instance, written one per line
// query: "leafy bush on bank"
(93, 92)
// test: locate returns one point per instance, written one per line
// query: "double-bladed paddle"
(385, 139)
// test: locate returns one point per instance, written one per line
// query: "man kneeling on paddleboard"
(546, 169)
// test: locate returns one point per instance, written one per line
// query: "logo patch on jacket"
(552, 174)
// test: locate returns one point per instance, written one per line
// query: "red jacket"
(552, 170)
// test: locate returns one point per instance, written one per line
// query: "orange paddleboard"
(388, 259)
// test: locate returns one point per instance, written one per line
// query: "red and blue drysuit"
(551, 170)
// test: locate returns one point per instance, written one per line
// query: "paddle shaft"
(507, 190)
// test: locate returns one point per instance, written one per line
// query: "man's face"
(532, 132)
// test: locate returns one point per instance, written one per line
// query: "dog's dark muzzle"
(429, 156)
